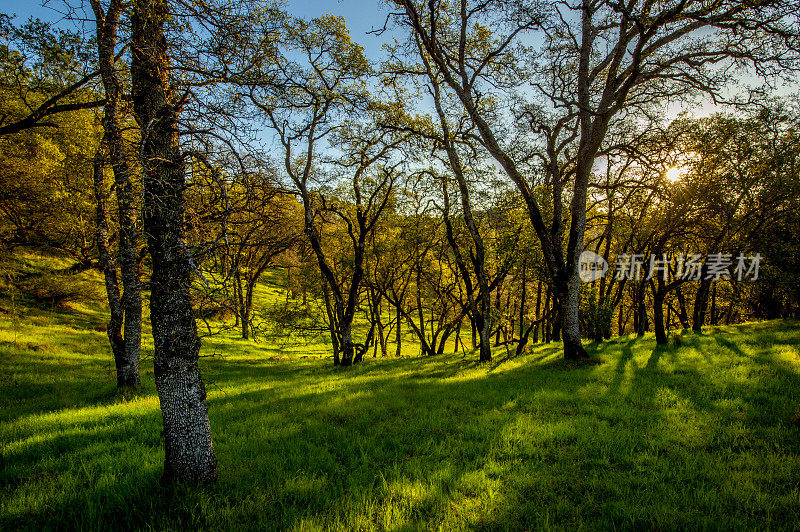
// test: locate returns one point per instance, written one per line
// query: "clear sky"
(361, 15)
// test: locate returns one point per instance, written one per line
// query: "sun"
(675, 173)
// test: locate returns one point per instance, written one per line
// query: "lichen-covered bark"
(189, 451)
(127, 359)
(129, 274)
(569, 298)
(106, 260)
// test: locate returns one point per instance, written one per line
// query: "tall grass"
(697, 436)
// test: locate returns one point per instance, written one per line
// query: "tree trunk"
(729, 314)
(129, 271)
(126, 359)
(700, 306)
(420, 310)
(497, 308)
(131, 289)
(683, 317)
(189, 451)
(250, 286)
(332, 328)
(347, 347)
(486, 350)
(242, 317)
(382, 338)
(658, 317)
(714, 304)
(443, 340)
(474, 332)
(547, 333)
(538, 311)
(246, 322)
(669, 316)
(108, 265)
(483, 327)
(568, 298)
(482, 311)
(399, 332)
(522, 297)
(640, 317)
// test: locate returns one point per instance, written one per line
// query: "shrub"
(59, 290)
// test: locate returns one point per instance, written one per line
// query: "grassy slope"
(696, 436)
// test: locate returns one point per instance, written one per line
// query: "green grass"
(663, 438)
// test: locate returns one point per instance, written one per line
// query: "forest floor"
(705, 435)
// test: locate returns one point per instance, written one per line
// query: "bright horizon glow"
(675, 173)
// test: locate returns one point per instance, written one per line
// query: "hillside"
(704, 435)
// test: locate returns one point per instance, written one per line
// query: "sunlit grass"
(653, 437)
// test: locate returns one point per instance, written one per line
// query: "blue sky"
(361, 15)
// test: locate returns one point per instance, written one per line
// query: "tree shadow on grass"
(309, 451)
(626, 357)
(655, 356)
(34, 383)
(437, 442)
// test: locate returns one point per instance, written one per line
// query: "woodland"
(528, 264)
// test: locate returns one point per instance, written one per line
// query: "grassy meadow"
(701, 436)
